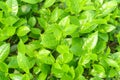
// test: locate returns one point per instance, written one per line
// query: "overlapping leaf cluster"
(59, 39)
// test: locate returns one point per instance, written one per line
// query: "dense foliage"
(59, 39)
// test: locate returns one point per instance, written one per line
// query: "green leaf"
(4, 7)
(55, 29)
(100, 21)
(64, 58)
(36, 70)
(108, 7)
(43, 23)
(45, 68)
(57, 70)
(23, 30)
(7, 32)
(106, 28)
(79, 71)
(74, 20)
(80, 78)
(70, 29)
(76, 47)
(30, 48)
(63, 49)
(98, 70)
(116, 57)
(55, 14)
(24, 38)
(13, 4)
(49, 40)
(103, 36)
(48, 3)
(20, 22)
(21, 47)
(4, 51)
(112, 73)
(3, 67)
(16, 76)
(26, 77)
(111, 62)
(35, 31)
(91, 41)
(75, 6)
(13, 62)
(96, 78)
(31, 62)
(1, 15)
(100, 47)
(25, 8)
(42, 76)
(10, 21)
(84, 59)
(64, 22)
(88, 27)
(72, 72)
(32, 21)
(94, 57)
(32, 1)
(65, 68)
(118, 37)
(66, 76)
(23, 62)
(45, 56)
(3, 76)
(89, 7)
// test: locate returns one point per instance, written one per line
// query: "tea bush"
(59, 39)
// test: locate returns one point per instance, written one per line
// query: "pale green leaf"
(108, 7)
(4, 51)
(23, 62)
(45, 56)
(63, 49)
(21, 47)
(13, 4)
(49, 41)
(64, 21)
(112, 63)
(91, 41)
(48, 3)
(16, 76)
(32, 1)
(106, 28)
(98, 70)
(23, 30)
